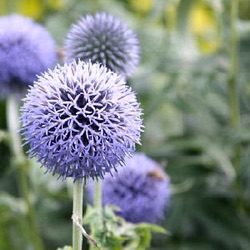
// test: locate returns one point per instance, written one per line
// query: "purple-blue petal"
(81, 120)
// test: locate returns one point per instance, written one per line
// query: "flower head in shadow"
(140, 190)
(26, 49)
(81, 120)
(105, 39)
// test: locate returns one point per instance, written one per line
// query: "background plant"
(182, 84)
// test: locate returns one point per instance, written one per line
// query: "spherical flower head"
(105, 39)
(81, 120)
(140, 189)
(26, 49)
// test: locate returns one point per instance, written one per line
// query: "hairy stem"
(77, 214)
(98, 207)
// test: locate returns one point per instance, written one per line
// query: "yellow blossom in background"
(205, 28)
(32, 8)
(141, 6)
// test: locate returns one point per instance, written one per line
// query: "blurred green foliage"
(116, 233)
(182, 85)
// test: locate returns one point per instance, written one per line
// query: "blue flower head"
(26, 49)
(81, 120)
(140, 189)
(105, 39)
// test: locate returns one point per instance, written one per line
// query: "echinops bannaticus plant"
(26, 49)
(81, 120)
(105, 39)
(141, 190)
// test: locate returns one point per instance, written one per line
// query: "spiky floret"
(81, 120)
(140, 189)
(105, 39)
(26, 49)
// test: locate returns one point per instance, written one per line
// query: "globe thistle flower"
(140, 189)
(81, 120)
(26, 49)
(105, 39)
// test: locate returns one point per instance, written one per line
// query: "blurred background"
(191, 52)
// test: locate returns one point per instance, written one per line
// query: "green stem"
(77, 214)
(13, 126)
(98, 207)
(233, 94)
(21, 163)
(232, 75)
(98, 197)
